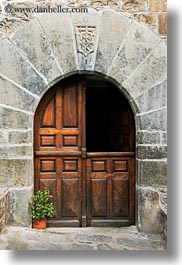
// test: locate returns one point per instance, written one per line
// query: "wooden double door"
(84, 154)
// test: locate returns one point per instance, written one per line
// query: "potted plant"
(41, 207)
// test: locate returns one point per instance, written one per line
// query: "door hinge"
(84, 152)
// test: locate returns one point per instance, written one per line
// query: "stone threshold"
(94, 238)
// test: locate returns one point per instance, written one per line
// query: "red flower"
(49, 196)
(33, 205)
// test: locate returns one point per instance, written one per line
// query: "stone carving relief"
(85, 38)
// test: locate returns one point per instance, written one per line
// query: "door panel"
(109, 189)
(98, 198)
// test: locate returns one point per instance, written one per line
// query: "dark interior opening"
(109, 118)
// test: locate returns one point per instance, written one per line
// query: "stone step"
(125, 238)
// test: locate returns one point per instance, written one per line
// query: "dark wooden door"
(89, 188)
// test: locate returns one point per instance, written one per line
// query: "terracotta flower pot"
(39, 224)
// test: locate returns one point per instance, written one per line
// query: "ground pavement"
(125, 238)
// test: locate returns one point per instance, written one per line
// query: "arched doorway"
(85, 152)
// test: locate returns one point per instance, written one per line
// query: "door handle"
(84, 153)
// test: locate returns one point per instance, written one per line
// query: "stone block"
(16, 97)
(12, 119)
(134, 5)
(149, 211)
(151, 152)
(152, 71)
(152, 173)
(158, 5)
(153, 99)
(22, 15)
(18, 137)
(139, 43)
(58, 31)
(163, 137)
(96, 3)
(15, 151)
(76, 3)
(163, 24)
(149, 18)
(148, 137)
(16, 68)
(154, 121)
(16, 172)
(3, 137)
(112, 33)
(36, 49)
(4, 216)
(10, 21)
(19, 206)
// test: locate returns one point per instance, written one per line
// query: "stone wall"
(4, 215)
(152, 13)
(38, 50)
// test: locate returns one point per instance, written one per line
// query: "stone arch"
(53, 47)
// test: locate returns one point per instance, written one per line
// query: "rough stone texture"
(150, 215)
(58, 31)
(36, 49)
(15, 151)
(138, 44)
(17, 69)
(138, 9)
(3, 137)
(158, 5)
(12, 119)
(156, 120)
(148, 137)
(163, 137)
(147, 18)
(14, 96)
(89, 238)
(152, 173)
(151, 152)
(164, 224)
(110, 38)
(153, 70)
(96, 3)
(163, 206)
(75, 3)
(163, 23)
(153, 99)
(17, 238)
(134, 5)
(10, 21)
(20, 199)
(3, 209)
(16, 172)
(163, 199)
(20, 137)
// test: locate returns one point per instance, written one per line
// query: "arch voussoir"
(36, 49)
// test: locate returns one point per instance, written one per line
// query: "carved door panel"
(58, 142)
(110, 189)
